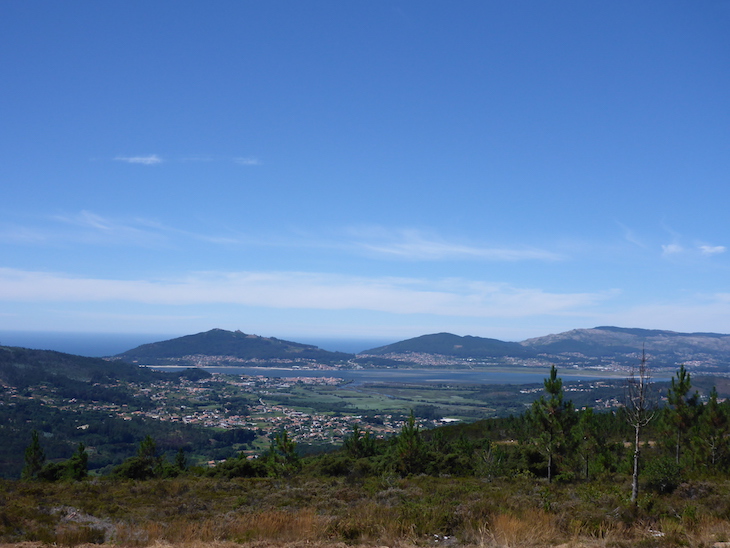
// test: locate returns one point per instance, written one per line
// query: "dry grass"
(532, 528)
(302, 525)
(414, 512)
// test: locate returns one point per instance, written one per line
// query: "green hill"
(448, 344)
(26, 366)
(223, 347)
(604, 346)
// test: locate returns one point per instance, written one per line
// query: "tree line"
(661, 443)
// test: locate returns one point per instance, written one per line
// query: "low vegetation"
(552, 475)
(387, 509)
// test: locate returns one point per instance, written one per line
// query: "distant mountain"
(621, 345)
(447, 344)
(597, 347)
(221, 347)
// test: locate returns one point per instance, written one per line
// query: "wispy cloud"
(297, 290)
(672, 249)
(684, 247)
(91, 228)
(630, 236)
(415, 245)
(247, 161)
(148, 160)
(154, 159)
(712, 249)
(693, 250)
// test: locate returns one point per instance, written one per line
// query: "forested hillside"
(551, 475)
(226, 347)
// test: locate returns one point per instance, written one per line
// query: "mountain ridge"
(452, 345)
(227, 346)
(598, 347)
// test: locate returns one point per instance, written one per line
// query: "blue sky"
(364, 169)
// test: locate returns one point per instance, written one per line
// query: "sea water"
(108, 344)
(95, 345)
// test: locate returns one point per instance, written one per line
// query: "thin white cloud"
(93, 228)
(414, 245)
(148, 160)
(301, 290)
(712, 249)
(14, 234)
(692, 251)
(630, 236)
(247, 161)
(672, 249)
(153, 159)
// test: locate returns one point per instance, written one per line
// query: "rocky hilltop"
(603, 347)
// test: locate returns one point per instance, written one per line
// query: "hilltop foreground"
(334, 513)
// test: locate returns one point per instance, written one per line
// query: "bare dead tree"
(640, 410)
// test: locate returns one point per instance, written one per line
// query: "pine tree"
(76, 468)
(587, 439)
(282, 458)
(34, 457)
(181, 461)
(553, 418)
(684, 408)
(359, 445)
(409, 448)
(145, 465)
(713, 430)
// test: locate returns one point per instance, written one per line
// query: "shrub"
(663, 475)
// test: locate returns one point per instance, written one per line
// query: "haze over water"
(98, 345)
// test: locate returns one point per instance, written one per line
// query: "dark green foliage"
(240, 467)
(454, 345)
(34, 457)
(683, 410)
(36, 374)
(194, 374)
(219, 342)
(181, 461)
(552, 418)
(77, 465)
(234, 436)
(426, 411)
(145, 465)
(282, 458)
(73, 469)
(358, 444)
(663, 474)
(713, 431)
(409, 450)
(21, 367)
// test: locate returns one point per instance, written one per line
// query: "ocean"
(99, 345)
(95, 345)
